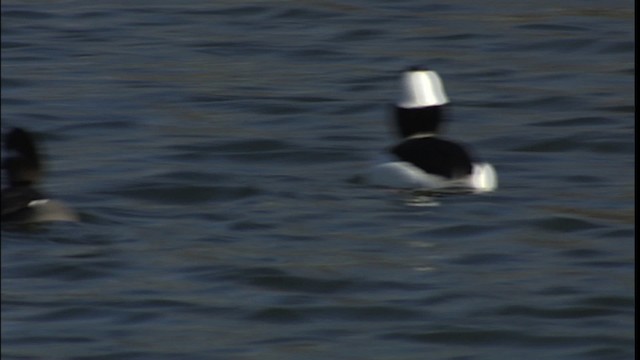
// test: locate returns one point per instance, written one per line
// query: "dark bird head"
(422, 102)
(23, 166)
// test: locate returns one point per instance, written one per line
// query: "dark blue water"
(213, 150)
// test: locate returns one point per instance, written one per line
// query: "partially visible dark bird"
(22, 202)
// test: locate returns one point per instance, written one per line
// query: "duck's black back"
(435, 155)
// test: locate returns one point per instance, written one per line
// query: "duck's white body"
(404, 175)
(41, 210)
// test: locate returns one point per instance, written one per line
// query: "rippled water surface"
(213, 149)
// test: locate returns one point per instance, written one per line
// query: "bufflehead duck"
(21, 201)
(423, 159)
